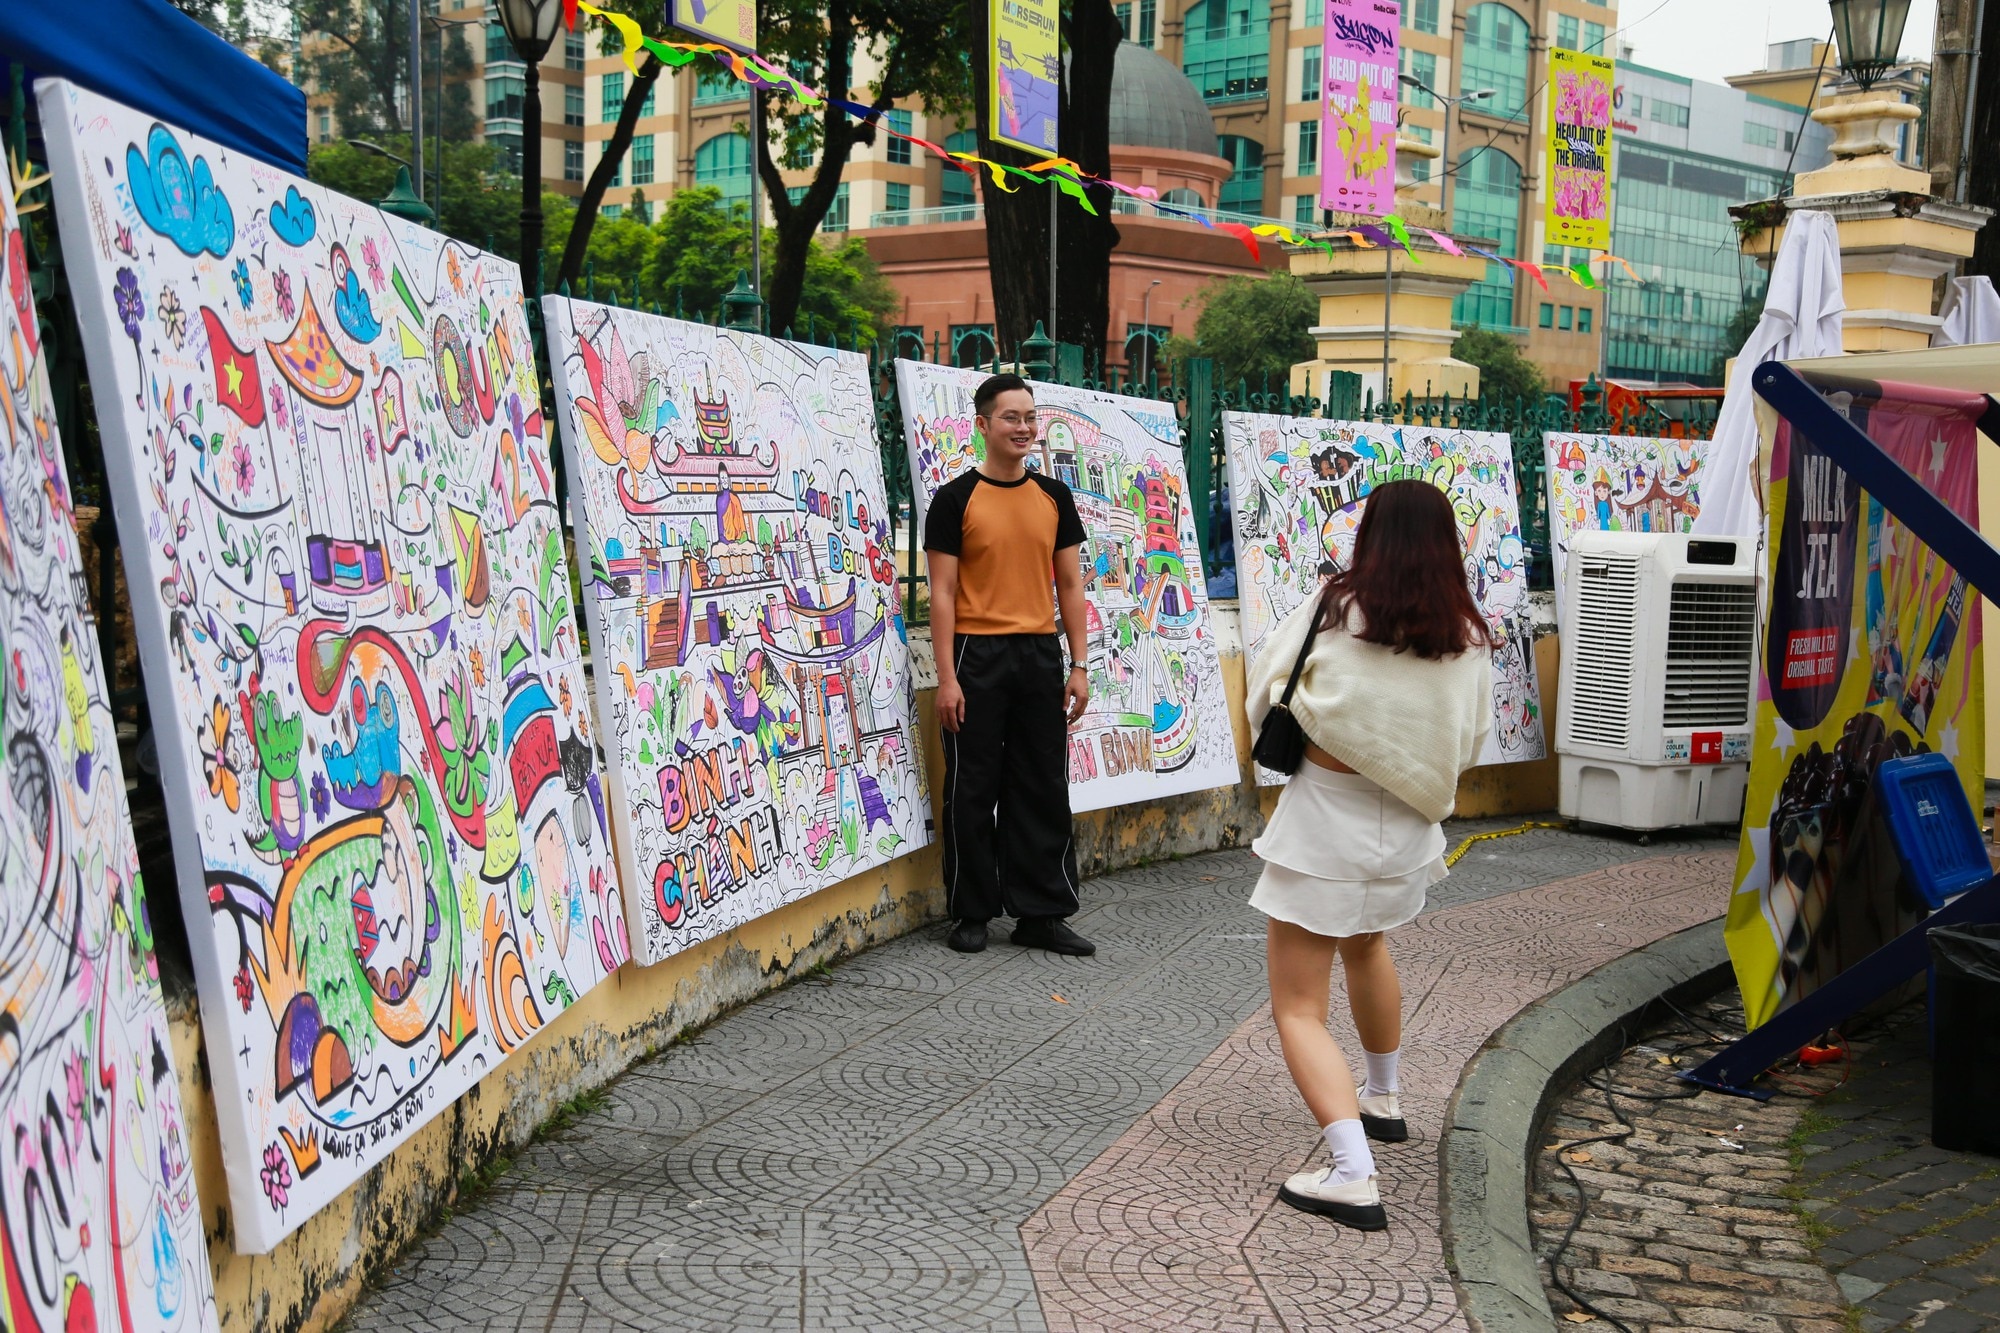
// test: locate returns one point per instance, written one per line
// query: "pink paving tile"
(1176, 1225)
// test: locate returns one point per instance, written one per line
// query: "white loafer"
(1382, 1119)
(1357, 1203)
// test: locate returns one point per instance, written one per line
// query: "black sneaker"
(968, 937)
(1051, 933)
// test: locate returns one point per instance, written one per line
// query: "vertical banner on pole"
(1358, 125)
(733, 23)
(1027, 72)
(1579, 198)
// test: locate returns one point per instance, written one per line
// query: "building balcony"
(927, 217)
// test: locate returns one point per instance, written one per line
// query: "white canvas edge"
(150, 624)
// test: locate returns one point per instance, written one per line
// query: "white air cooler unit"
(1658, 692)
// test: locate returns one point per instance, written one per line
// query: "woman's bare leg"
(1374, 993)
(1301, 970)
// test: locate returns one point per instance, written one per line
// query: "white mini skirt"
(1344, 857)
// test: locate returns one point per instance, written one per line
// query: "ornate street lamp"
(1869, 33)
(532, 26)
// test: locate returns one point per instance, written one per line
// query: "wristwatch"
(1078, 666)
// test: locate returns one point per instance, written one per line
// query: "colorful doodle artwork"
(1873, 650)
(1158, 722)
(332, 485)
(1620, 483)
(1299, 486)
(752, 663)
(99, 1224)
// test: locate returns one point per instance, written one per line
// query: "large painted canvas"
(1299, 485)
(1158, 722)
(1619, 483)
(752, 664)
(99, 1224)
(1873, 650)
(333, 489)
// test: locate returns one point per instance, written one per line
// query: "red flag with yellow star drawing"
(238, 385)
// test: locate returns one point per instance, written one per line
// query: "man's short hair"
(993, 387)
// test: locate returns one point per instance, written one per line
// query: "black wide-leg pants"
(1007, 847)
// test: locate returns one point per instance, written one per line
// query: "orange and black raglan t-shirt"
(1005, 535)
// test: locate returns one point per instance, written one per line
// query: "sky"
(1707, 39)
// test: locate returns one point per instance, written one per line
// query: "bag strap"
(1305, 651)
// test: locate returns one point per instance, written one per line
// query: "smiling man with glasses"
(1003, 541)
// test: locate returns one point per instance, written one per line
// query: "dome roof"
(1154, 105)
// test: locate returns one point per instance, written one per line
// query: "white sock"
(1381, 1072)
(1352, 1158)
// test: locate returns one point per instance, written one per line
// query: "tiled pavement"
(1017, 1141)
(1911, 1228)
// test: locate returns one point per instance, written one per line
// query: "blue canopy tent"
(151, 57)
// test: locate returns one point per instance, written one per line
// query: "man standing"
(997, 539)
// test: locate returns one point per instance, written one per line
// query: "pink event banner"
(1358, 129)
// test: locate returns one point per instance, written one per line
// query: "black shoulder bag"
(1281, 741)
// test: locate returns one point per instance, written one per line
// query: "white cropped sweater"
(1409, 725)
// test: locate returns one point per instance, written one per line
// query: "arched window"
(724, 162)
(1226, 52)
(1496, 57)
(1487, 202)
(1185, 197)
(1243, 192)
(957, 190)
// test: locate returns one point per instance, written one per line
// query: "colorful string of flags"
(1061, 172)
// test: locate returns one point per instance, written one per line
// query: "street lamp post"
(1146, 322)
(1451, 105)
(531, 26)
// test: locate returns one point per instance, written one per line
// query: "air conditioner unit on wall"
(1658, 686)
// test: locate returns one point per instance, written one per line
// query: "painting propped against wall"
(331, 477)
(1158, 723)
(1299, 485)
(752, 664)
(1619, 483)
(99, 1223)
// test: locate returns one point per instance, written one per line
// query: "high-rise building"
(1806, 72)
(1686, 151)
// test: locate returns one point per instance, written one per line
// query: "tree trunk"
(615, 147)
(785, 278)
(1983, 186)
(1017, 222)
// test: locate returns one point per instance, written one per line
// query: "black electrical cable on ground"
(1562, 1151)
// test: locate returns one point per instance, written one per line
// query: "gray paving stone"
(860, 1150)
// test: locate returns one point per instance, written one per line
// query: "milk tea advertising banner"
(1579, 199)
(1358, 123)
(1872, 652)
(1027, 71)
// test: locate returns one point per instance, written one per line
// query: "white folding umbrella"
(1802, 317)
(1970, 313)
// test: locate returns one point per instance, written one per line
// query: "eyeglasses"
(1014, 418)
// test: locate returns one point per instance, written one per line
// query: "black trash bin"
(1965, 1016)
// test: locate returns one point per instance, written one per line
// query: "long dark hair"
(1408, 576)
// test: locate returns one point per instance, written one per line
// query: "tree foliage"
(358, 52)
(482, 202)
(919, 47)
(1255, 329)
(1503, 370)
(685, 259)
(1741, 325)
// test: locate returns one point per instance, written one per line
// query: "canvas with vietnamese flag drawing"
(1872, 651)
(1358, 97)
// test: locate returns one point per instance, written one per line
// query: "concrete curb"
(1492, 1126)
